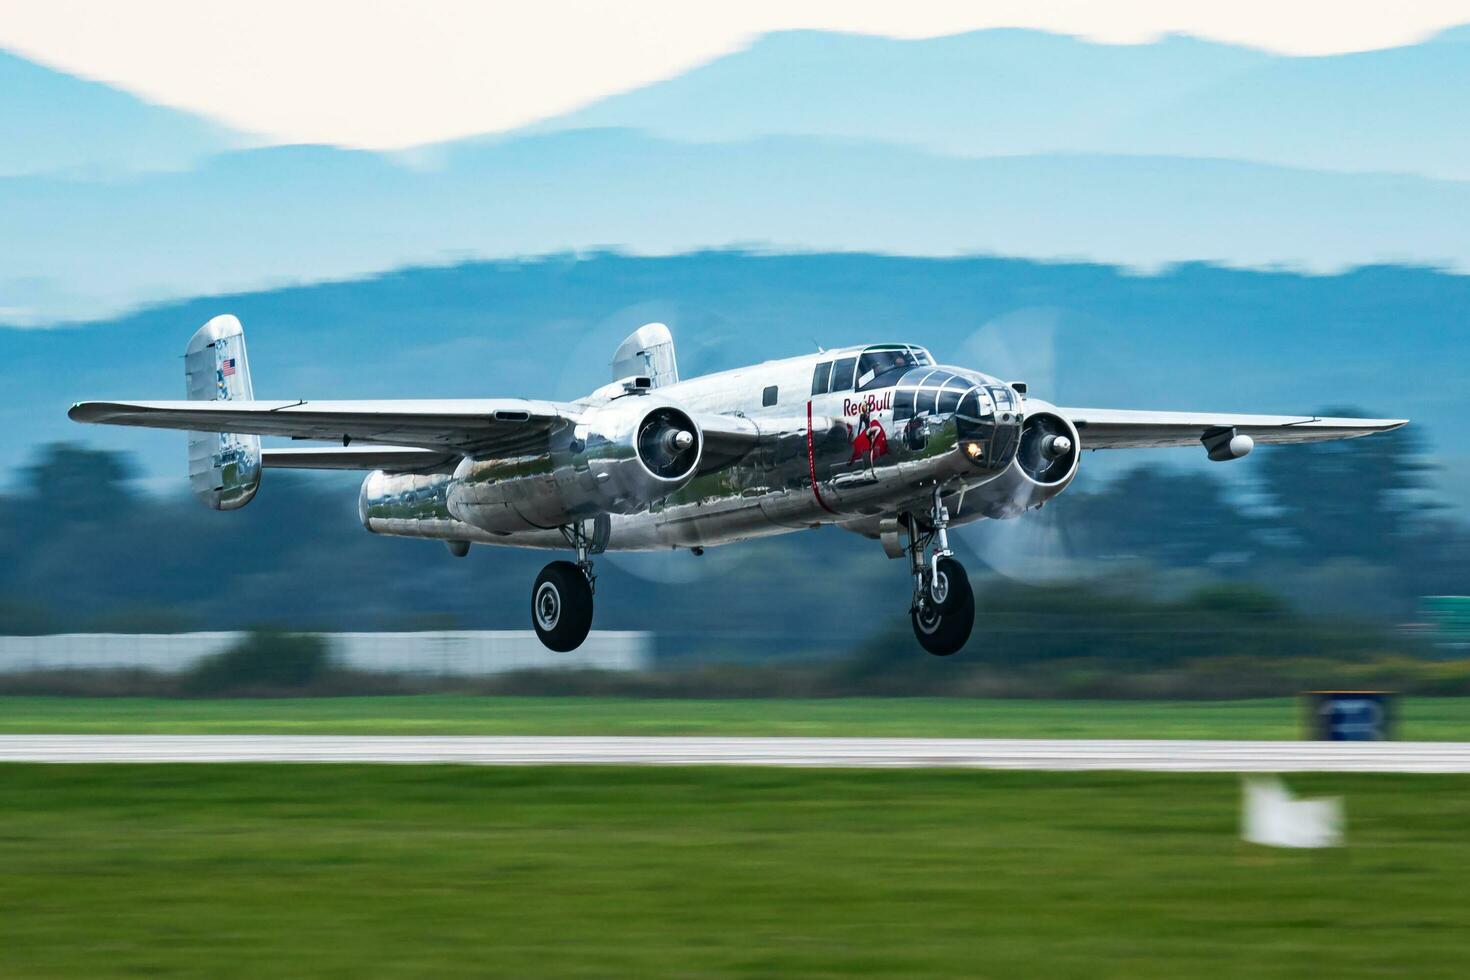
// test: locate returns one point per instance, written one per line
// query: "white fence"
(436, 654)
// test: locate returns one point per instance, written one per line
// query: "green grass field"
(345, 871)
(1442, 719)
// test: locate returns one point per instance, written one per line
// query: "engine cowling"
(630, 453)
(1045, 464)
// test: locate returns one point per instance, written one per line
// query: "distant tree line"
(1221, 643)
(1330, 537)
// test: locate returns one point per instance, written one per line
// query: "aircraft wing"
(419, 436)
(727, 438)
(1107, 428)
(392, 459)
(498, 426)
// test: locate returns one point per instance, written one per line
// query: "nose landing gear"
(561, 599)
(943, 606)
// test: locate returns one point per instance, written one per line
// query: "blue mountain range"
(57, 123)
(1011, 92)
(288, 214)
(996, 142)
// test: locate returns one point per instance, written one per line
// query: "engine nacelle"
(1045, 464)
(630, 453)
(619, 458)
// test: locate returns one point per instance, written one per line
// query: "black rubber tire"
(955, 591)
(561, 606)
(943, 634)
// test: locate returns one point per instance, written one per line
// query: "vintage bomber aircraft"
(878, 440)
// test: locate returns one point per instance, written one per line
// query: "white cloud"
(383, 74)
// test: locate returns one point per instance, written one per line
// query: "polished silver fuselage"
(826, 458)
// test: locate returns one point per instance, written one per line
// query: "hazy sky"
(382, 74)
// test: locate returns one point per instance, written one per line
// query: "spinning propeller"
(707, 343)
(1036, 547)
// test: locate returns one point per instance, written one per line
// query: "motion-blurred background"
(1242, 206)
(1259, 215)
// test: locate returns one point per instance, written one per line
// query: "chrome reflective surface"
(844, 456)
(879, 440)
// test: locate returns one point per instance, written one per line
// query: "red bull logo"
(869, 441)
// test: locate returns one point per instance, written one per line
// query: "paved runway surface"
(877, 753)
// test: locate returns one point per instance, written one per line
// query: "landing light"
(974, 450)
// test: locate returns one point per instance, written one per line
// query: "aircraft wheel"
(952, 590)
(561, 606)
(944, 633)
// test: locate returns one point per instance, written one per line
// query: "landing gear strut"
(943, 606)
(561, 599)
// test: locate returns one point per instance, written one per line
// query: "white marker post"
(1272, 817)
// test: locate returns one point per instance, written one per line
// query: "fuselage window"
(842, 374)
(975, 405)
(949, 400)
(972, 418)
(768, 397)
(903, 404)
(820, 377)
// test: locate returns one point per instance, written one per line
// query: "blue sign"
(1350, 716)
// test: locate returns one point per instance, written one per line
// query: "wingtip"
(90, 411)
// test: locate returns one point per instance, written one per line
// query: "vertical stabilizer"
(224, 468)
(648, 352)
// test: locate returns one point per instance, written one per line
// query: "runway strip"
(864, 753)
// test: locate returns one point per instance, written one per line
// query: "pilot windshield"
(883, 368)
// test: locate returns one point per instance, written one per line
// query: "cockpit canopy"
(879, 366)
(922, 389)
(936, 391)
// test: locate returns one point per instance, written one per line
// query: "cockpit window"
(883, 368)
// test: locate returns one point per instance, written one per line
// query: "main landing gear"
(561, 599)
(943, 607)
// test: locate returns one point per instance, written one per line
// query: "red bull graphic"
(869, 441)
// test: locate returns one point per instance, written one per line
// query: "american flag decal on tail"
(227, 367)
